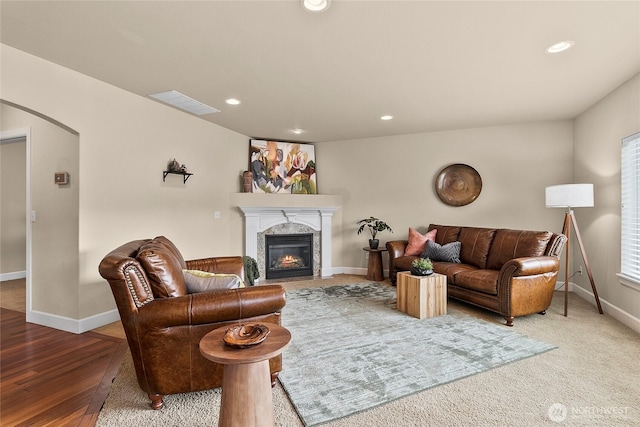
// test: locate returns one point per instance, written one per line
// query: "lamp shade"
(569, 196)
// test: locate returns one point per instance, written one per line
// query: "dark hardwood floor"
(50, 377)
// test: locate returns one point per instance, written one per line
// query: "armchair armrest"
(227, 265)
(212, 307)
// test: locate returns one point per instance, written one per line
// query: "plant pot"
(420, 272)
(373, 243)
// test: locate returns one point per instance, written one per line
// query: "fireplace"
(288, 255)
(268, 220)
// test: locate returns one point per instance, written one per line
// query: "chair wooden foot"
(509, 320)
(156, 401)
(274, 379)
(543, 312)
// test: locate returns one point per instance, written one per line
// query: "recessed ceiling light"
(232, 101)
(560, 46)
(315, 5)
(183, 102)
(297, 131)
(386, 117)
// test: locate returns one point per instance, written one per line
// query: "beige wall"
(393, 179)
(126, 140)
(13, 228)
(598, 135)
(125, 143)
(54, 234)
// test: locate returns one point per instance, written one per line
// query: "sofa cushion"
(163, 269)
(447, 253)
(510, 244)
(476, 243)
(450, 269)
(478, 279)
(418, 241)
(203, 281)
(446, 233)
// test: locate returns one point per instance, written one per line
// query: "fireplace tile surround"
(300, 214)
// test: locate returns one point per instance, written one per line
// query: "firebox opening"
(288, 255)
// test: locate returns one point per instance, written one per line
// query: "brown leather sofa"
(164, 323)
(510, 272)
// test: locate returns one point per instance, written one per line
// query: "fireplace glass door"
(288, 255)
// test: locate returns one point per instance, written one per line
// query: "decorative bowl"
(421, 272)
(243, 336)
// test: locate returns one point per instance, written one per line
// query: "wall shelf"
(185, 175)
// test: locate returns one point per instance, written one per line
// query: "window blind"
(630, 212)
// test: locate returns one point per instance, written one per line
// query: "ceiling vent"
(183, 102)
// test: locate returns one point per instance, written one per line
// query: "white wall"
(598, 134)
(393, 178)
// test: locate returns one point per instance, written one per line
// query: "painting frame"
(282, 167)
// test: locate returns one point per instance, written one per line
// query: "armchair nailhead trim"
(132, 291)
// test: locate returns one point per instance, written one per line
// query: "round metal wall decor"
(458, 184)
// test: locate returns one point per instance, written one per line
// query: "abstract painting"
(282, 167)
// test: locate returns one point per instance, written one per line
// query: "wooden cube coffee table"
(422, 296)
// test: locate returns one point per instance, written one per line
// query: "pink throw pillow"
(417, 241)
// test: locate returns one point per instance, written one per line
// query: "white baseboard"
(74, 326)
(13, 276)
(617, 313)
(352, 270)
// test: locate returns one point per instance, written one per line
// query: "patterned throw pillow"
(203, 281)
(417, 241)
(447, 253)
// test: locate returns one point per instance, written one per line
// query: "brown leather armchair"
(164, 323)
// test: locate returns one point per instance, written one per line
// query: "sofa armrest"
(227, 265)
(212, 307)
(526, 285)
(396, 248)
(529, 266)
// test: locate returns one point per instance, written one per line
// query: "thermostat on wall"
(61, 178)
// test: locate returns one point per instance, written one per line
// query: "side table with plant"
(374, 225)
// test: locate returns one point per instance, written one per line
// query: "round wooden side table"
(374, 270)
(246, 380)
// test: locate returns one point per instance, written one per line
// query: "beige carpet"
(12, 295)
(591, 379)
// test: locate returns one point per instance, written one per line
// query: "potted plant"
(374, 225)
(421, 267)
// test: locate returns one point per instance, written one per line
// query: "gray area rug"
(352, 350)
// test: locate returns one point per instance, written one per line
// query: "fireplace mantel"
(317, 216)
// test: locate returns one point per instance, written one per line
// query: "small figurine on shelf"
(173, 166)
(183, 169)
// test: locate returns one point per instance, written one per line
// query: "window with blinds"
(630, 198)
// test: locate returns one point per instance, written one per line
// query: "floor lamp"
(570, 196)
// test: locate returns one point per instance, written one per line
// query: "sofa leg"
(543, 312)
(156, 401)
(274, 378)
(509, 320)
